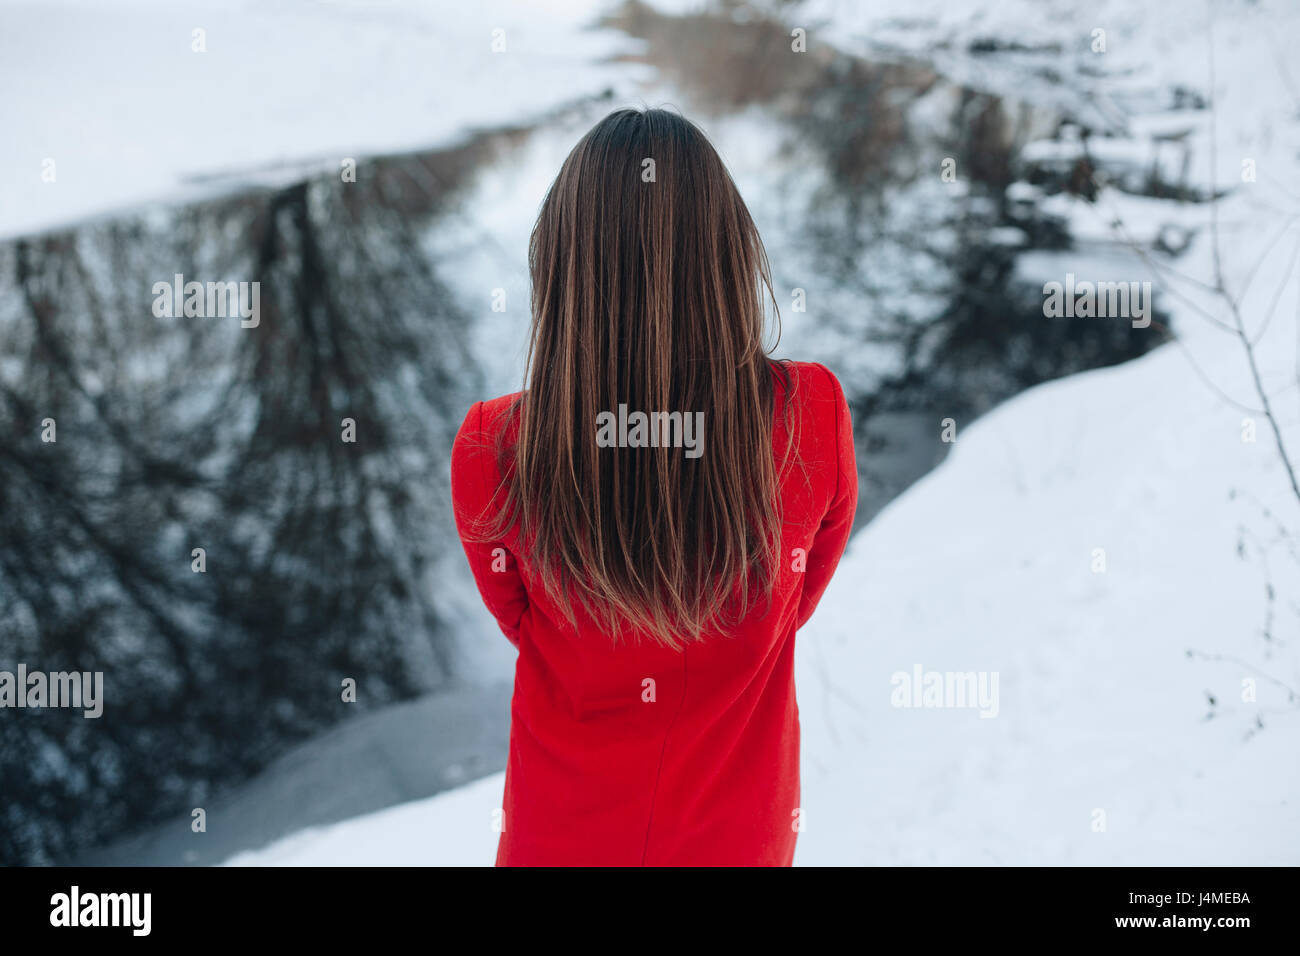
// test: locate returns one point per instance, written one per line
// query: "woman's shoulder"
(808, 381)
(475, 451)
(485, 418)
(814, 409)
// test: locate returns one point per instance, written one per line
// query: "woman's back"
(634, 752)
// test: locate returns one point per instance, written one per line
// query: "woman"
(652, 519)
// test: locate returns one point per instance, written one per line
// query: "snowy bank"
(150, 100)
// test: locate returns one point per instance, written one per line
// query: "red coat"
(704, 770)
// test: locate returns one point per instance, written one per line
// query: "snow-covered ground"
(447, 830)
(1110, 548)
(121, 100)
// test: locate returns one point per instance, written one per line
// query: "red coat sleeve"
(833, 533)
(474, 485)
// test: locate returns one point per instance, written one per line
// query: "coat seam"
(836, 414)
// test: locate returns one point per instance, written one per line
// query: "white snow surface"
(116, 95)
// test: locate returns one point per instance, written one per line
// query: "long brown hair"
(648, 281)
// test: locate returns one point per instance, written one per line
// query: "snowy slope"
(987, 566)
(129, 112)
(451, 829)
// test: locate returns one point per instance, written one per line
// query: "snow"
(450, 829)
(1122, 732)
(987, 566)
(129, 113)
